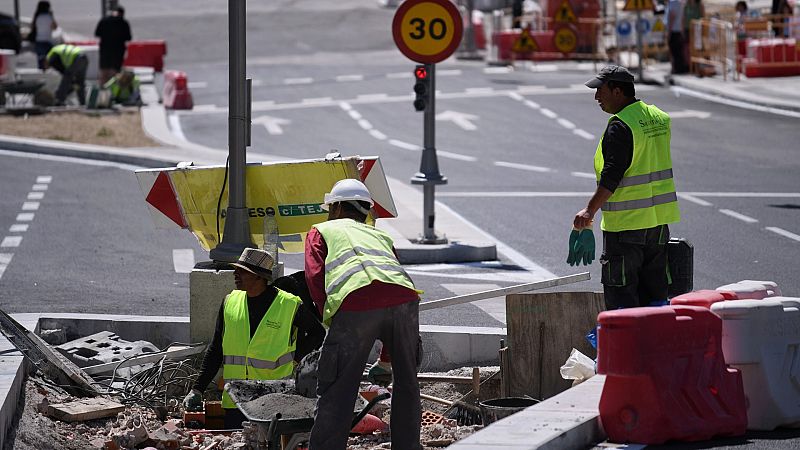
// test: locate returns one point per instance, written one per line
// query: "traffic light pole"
(429, 175)
(237, 221)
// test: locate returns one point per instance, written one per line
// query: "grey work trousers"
(342, 361)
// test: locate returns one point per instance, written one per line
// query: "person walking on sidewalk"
(261, 333)
(636, 192)
(70, 61)
(677, 40)
(41, 33)
(363, 294)
(114, 32)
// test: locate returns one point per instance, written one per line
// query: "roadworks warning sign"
(525, 43)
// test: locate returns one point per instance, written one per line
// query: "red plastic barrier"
(666, 377)
(544, 41)
(146, 54)
(480, 35)
(704, 298)
(176, 90)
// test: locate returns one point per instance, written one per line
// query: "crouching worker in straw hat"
(261, 333)
(364, 294)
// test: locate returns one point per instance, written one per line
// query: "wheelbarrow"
(273, 424)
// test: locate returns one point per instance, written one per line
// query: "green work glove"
(584, 248)
(380, 373)
(573, 259)
(193, 401)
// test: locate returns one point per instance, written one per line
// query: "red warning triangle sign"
(525, 43)
(565, 14)
(163, 198)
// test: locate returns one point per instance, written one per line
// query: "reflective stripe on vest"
(269, 355)
(645, 197)
(358, 254)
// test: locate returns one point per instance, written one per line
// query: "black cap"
(610, 73)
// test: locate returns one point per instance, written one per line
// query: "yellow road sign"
(292, 191)
(659, 25)
(638, 5)
(565, 39)
(525, 43)
(565, 14)
(427, 31)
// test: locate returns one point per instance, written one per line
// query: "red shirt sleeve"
(316, 252)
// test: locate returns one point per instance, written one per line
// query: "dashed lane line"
(584, 175)
(584, 134)
(11, 241)
(378, 135)
(693, 199)
(30, 206)
(44, 179)
(303, 80)
(18, 228)
(523, 166)
(346, 78)
(5, 260)
(552, 115)
(737, 215)
(25, 217)
(784, 233)
(35, 195)
(405, 145)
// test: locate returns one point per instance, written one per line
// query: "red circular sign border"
(427, 59)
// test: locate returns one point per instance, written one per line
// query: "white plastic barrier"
(92, 52)
(8, 63)
(752, 289)
(761, 338)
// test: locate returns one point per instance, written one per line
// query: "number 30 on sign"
(427, 31)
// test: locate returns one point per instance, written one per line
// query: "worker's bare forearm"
(600, 197)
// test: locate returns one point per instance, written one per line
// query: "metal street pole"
(639, 42)
(429, 175)
(237, 225)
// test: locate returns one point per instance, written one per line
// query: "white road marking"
(689, 114)
(543, 68)
(513, 194)
(377, 135)
(693, 199)
(175, 127)
(584, 175)
(317, 101)
(400, 75)
(183, 260)
(24, 217)
(497, 70)
(11, 241)
(532, 89)
(355, 115)
(516, 96)
(197, 84)
(68, 159)
(737, 215)
(586, 135)
(364, 123)
(739, 104)
(369, 97)
(495, 307)
(345, 106)
(273, 125)
(462, 120)
(784, 233)
(405, 145)
(38, 187)
(457, 156)
(30, 206)
(18, 228)
(342, 78)
(565, 123)
(747, 194)
(532, 104)
(214, 108)
(35, 195)
(548, 113)
(479, 90)
(305, 80)
(453, 266)
(44, 179)
(448, 72)
(5, 259)
(522, 166)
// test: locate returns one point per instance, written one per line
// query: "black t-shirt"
(113, 32)
(310, 334)
(617, 151)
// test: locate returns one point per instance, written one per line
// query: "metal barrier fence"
(713, 43)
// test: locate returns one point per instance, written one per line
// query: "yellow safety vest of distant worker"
(646, 196)
(358, 254)
(269, 355)
(65, 52)
(123, 87)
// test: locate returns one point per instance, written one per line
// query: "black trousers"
(677, 48)
(634, 267)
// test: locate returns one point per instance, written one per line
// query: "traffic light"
(421, 87)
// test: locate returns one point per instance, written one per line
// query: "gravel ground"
(123, 129)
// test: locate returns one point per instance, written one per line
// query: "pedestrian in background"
(636, 192)
(261, 333)
(113, 32)
(364, 294)
(41, 33)
(692, 10)
(677, 40)
(72, 63)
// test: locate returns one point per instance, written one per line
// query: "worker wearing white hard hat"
(363, 294)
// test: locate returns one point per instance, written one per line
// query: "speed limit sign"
(427, 31)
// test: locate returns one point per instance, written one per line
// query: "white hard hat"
(347, 190)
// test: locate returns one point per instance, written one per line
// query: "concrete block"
(447, 348)
(85, 409)
(207, 290)
(103, 347)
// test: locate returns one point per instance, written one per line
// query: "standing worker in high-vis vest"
(636, 192)
(363, 294)
(70, 61)
(261, 333)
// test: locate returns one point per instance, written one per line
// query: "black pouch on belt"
(680, 261)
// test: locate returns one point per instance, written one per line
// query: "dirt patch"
(121, 129)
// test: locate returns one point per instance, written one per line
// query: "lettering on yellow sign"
(565, 14)
(638, 5)
(525, 43)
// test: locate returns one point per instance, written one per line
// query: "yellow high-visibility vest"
(646, 196)
(66, 53)
(269, 355)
